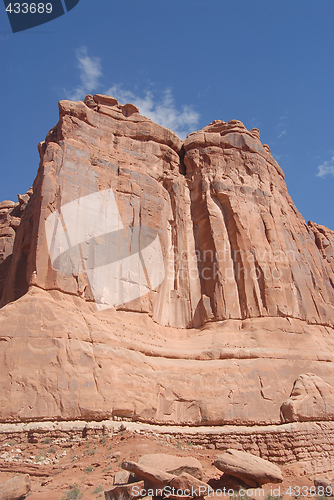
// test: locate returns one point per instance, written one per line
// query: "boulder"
(252, 470)
(124, 477)
(15, 488)
(189, 486)
(7, 204)
(327, 484)
(311, 399)
(173, 464)
(149, 474)
(125, 491)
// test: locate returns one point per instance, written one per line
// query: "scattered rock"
(23, 198)
(188, 483)
(252, 470)
(149, 474)
(173, 464)
(325, 483)
(7, 204)
(46, 481)
(15, 488)
(124, 477)
(125, 492)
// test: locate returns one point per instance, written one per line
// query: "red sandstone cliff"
(244, 304)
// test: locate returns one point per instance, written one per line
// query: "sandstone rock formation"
(124, 491)
(151, 475)
(252, 470)
(10, 218)
(311, 399)
(15, 488)
(156, 479)
(215, 296)
(173, 464)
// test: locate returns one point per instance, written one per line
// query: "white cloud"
(282, 125)
(326, 168)
(161, 110)
(90, 73)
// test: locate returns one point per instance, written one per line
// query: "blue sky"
(185, 63)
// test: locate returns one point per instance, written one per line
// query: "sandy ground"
(83, 468)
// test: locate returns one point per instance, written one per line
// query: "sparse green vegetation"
(40, 456)
(97, 490)
(89, 469)
(73, 493)
(107, 468)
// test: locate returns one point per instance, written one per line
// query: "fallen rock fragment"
(311, 399)
(149, 474)
(172, 464)
(15, 488)
(124, 477)
(188, 485)
(327, 484)
(125, 491)
(252, 470)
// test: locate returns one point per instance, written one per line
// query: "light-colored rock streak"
(115, 276)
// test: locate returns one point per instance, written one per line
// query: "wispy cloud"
(159, 106)
(90, 73)
(282, 125)
(161, 110)
(326, 168)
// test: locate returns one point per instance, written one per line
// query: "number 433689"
(33, 8)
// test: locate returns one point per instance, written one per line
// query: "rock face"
(10, 219)
(311, 399)
(252, 470)
(161, 280)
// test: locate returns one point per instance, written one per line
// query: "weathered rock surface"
(15, 488)
(173, 464)
(151, 475)
(311, 399)
(124, 477)
(326, 484)
(124, 491)
(238, 306)
(188, 485)
(10, 219)
(155, 478)
(252, 470)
